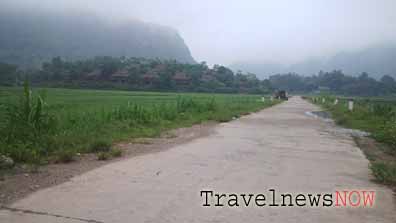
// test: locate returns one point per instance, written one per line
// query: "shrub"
(6, 162)
(64, 156)
(384, 172)
(28, 118)
(27, 126)
(100, 145)
(115, 152)
(109, 154)
(103, 155)
(184, 104)
(387, 134)
(341, 119)
(211, 105)
(383, 110)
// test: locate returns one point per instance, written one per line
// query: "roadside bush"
(166, 112)
(387, 134)
(100, 145)
(27, 125)
(6, 162)
(103, 156)
(341, 119)
(109, 154)
(185, 104)
(384, 172)
(211, 105)
(64, 156)
(377, 117)
(383, 110)
(115, 152)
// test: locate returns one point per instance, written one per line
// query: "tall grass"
(377, 117)
(372, 115)
(71, 121)
(26, 127)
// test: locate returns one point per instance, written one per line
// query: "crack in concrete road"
(24, 211)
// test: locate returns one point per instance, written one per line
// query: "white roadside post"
(323, 100)
(263, 99)
(350, 105)
(336, 101)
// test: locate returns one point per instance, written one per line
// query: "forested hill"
(30, 38)
(376, 61)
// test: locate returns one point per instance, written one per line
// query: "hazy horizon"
(225, 32)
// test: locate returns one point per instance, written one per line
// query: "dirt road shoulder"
(24, 180)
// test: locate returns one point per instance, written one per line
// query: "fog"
(228, 31)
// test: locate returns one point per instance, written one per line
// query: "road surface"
(279, 148)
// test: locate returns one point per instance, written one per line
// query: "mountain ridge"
(376, 61)
(32, 38)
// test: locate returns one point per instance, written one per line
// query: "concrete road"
(279, 148)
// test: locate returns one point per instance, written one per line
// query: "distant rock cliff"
(28, 39)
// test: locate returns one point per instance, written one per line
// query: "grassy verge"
(371, 115)
(55, 124)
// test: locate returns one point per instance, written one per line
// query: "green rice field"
(39, 124)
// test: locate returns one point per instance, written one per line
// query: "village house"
(207, 78)
(160, 67)
(120, 76)
(181, 78)
(150, 78)
(94, 75)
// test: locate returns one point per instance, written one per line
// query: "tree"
(109, 65)
(224, 75)
(166, 82)
(363, 76)
(7, 73)
(389, 83)
(386, 79)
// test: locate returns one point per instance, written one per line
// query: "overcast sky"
(278, 31)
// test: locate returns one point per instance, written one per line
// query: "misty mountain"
(262, 70)
(30, 38)
(377, 61)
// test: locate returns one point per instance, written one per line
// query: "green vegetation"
(103, 156)
(115, 152)
(100, 145)
(64, 156)
(8, 74)
(137, 74)
(36, 126)
(336, 82)
(377, 60)
(374, 115)
(385, 172)
(109, 154)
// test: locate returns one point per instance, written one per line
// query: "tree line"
(169, 75)
(136, 74)
(335, 82)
